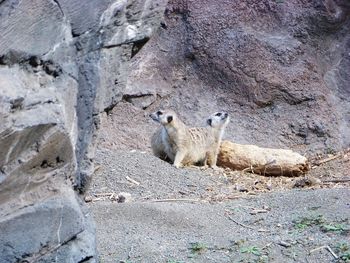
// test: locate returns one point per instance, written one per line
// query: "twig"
(175, 200)
(248, 169)
(130, 251)
(112, 197)
(147, 196)
(258, 167)
(328, 159)
(326, 247)
(89, 199)
(266, 246)
(332, 252)
(258, 211)
(316, 249)
(284, 244)
(96, 168)
(132, 180)
(263, 230)
(337, 180)
(103, 194)
(241, 224)
(232, 197)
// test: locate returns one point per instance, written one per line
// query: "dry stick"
(316, 249)
(241, 224)
(94, 199)
(332, 252)
(103, 194)
(175, 200)
(325, 160)
(96, 168)
(249, 227)
(326, 247)
(261, 167)
(268, 244)
(132, 180)
(112, 196)
(257, 211)
(337, 180)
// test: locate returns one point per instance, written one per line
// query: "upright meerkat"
(217, 123)
(162, 145)
(186, 146)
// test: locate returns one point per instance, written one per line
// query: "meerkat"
(160, 141)
(217, 123)
(188, 146)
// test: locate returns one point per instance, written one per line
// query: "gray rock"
(46, 227)
(269, 64)
(30, 27)
(62, 63)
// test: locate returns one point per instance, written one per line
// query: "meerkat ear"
(209, 122)
(170, 119)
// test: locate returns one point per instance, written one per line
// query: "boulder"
(62, 64)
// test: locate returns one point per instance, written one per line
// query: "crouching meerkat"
(187, 146)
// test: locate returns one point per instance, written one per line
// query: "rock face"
(62, 63)
(279, 67)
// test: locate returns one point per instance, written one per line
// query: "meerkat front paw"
(204, 167)
(177, 165)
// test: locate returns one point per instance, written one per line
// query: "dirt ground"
(193, 215)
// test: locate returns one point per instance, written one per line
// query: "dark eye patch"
(159, 113)
(209, 122)
(170, 119)
(218, 114)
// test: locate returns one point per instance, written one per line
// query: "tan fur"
(187, 146)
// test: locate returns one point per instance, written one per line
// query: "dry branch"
(132, 180)
(336, 180)
(175, 200)
(328, 159)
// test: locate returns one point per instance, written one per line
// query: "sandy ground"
(192, 215)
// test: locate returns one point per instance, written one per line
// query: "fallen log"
(264, 161)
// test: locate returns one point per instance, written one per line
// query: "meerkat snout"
(156, 116)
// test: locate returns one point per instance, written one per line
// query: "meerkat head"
(164, 117)
(218, 120)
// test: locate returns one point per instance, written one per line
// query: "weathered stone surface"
(62, 63)
(278, 67)
(265, 161)
(30, 27)
(43, 229)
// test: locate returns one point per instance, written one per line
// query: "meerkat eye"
(218, 114)
(159, 113)
(170, 119)
(209, 122)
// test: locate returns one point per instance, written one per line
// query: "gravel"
(190, 215)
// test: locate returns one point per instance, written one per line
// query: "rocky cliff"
(62, 63)
(279, 67)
